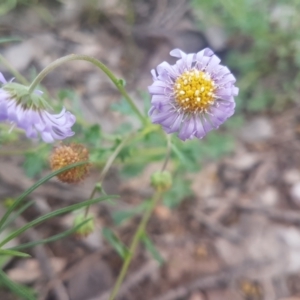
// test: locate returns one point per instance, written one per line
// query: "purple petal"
(160, 117)
(207, 125)
(164, 67)
(177, 53)
(199, 129)
(214, 61)
(176, 124)
(187, 129)
(158, 87)
(189, 59)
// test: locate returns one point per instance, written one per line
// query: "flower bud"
(87, 228)
(161, 181)
(66, 155)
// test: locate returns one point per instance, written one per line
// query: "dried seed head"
(66, 155)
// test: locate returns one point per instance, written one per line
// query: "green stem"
(134, 244)
(107, 166)
(118, 83)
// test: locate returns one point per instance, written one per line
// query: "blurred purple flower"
(31, 117)
(193, 96)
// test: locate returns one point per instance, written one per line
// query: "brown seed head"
(66, 155)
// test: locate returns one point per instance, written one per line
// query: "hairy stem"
(117, 82)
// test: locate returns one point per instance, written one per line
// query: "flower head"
(27, 111)
(65, 155)
(193, 96)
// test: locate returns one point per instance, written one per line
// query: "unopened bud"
(161, 181)
(85, 229)
(66, 155)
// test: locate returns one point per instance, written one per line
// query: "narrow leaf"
(35, 186)
(14, 215)
(13, 253)
(115, 242)
(151, 248)
(50, 239)
(17, 289)
(52, 215)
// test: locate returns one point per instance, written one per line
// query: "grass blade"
(50, 239)
(52, 215)
(35, 186)
(17, 289)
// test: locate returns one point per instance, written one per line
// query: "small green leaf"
(132, 170)
(115, 242)
(151, 248)
(93, 134)
(122, 82)
(124, 128)
(180, 190)
(34, 164)
(122, 107)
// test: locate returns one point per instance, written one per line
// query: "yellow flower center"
(194, 91)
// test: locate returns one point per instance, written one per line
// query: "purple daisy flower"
(193, 96)
(30, 117)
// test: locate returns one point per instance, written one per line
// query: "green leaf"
(180, 190)
(52, 215)
(21, 291)
(147, 101)
(115, 242)
(124, 128)
(93, 134)
(132, 170)
(122, 107)
(151, 248)
(186, 157)
(13, 253)
(35, 186)
(14, 215)
(123, 215)
(34, 164)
